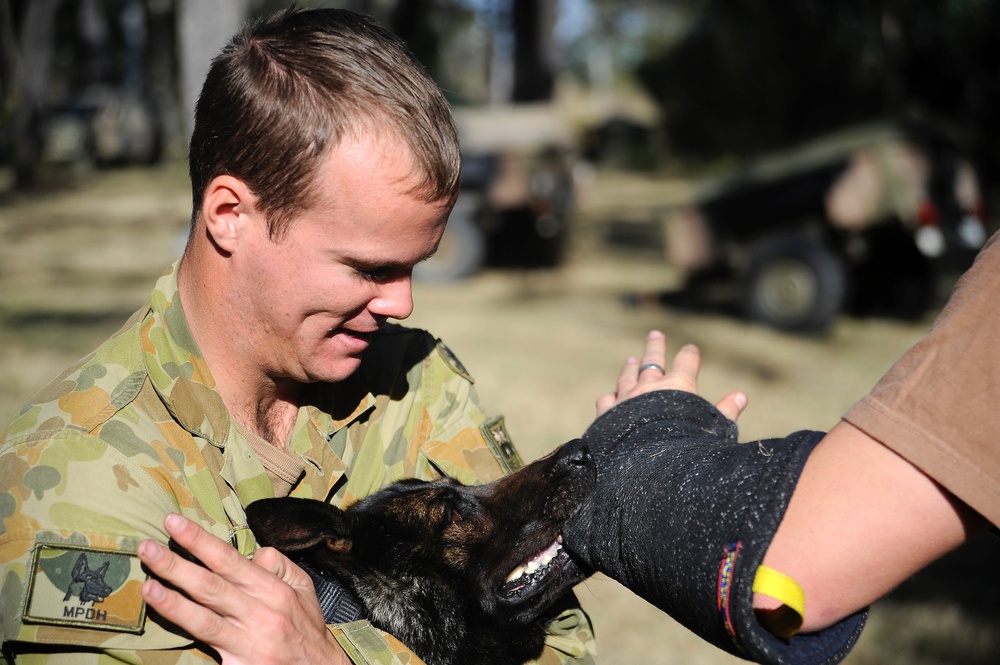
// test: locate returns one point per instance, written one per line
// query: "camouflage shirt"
(93, 464)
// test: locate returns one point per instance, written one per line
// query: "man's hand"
(681, 375)
(250, 612)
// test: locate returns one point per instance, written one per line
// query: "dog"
(460, 574)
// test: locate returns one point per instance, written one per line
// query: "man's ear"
(227, 207)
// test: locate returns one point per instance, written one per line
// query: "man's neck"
(271, 419)
(260, 403)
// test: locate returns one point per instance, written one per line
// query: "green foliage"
(750, 77)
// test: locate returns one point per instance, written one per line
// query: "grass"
(542, 346)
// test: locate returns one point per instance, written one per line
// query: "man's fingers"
(259, 611)
(192, 579)
(216, 554)
(217, 583)
(192, 617)
(629, 375)
(202, 623)
(653, 365)
(652, 373)
(605, 402)
(170, 566)
(732, 405)
(279, 565)
(683, 374)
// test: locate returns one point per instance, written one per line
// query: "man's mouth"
(359, 336)
(535, 571)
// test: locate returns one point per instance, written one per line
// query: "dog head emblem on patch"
(459, 574)
(88, 584)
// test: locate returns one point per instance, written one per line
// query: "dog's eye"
(455, 515)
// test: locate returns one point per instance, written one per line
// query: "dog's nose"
(575, 453)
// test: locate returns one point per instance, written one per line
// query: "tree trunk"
(203, 28)
(36, 46)
(534, 21)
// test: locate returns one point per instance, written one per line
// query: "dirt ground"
(542, 346)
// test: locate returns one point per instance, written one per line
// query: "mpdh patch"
(85, 588)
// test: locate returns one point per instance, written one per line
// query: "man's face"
(344, 266)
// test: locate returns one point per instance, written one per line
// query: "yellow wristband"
(786, 620)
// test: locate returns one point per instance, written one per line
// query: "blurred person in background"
(324, 164)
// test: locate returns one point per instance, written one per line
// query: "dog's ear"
(291, 524)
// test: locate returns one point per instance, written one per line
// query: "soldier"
(324, 163)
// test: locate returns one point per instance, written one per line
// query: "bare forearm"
(861, 521)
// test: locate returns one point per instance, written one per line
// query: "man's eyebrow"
(382, 265)
(386, 266)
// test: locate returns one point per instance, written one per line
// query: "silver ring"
(651, 366)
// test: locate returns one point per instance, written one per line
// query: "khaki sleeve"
(570, 640)
(366, 645)
(464, 441)
(74, 512)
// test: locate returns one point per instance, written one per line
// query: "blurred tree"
(520, 38)
(533, 22)
(78, 83)
(601, 41)
(499, 51)
(8, 79)
(748, 77)
(203, 28)
(34, 23)
(410, 20)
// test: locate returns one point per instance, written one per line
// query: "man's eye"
(374, 275)
(380, 275)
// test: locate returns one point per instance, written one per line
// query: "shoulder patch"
(453, 362)
(500, 444)
(85, 588)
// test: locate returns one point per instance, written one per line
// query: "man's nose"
(394, 298)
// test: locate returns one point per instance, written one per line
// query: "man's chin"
(334, 372)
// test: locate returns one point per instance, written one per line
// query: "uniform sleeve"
(463, 441)
(74, 511)
(936, 406)
(364, 644)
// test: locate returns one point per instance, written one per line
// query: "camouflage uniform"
(137, 430)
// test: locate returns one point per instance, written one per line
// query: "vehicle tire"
(793, 283)
(462, 249)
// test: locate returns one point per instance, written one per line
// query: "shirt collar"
(176, 368)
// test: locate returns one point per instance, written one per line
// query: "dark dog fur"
(430, 561)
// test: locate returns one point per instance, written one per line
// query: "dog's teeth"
(516, 573)
(550, 554)
(537, 562)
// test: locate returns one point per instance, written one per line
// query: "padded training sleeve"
(683, 514)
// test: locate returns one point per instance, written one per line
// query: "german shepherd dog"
(460, 574)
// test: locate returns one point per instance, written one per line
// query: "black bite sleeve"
(683, 514)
